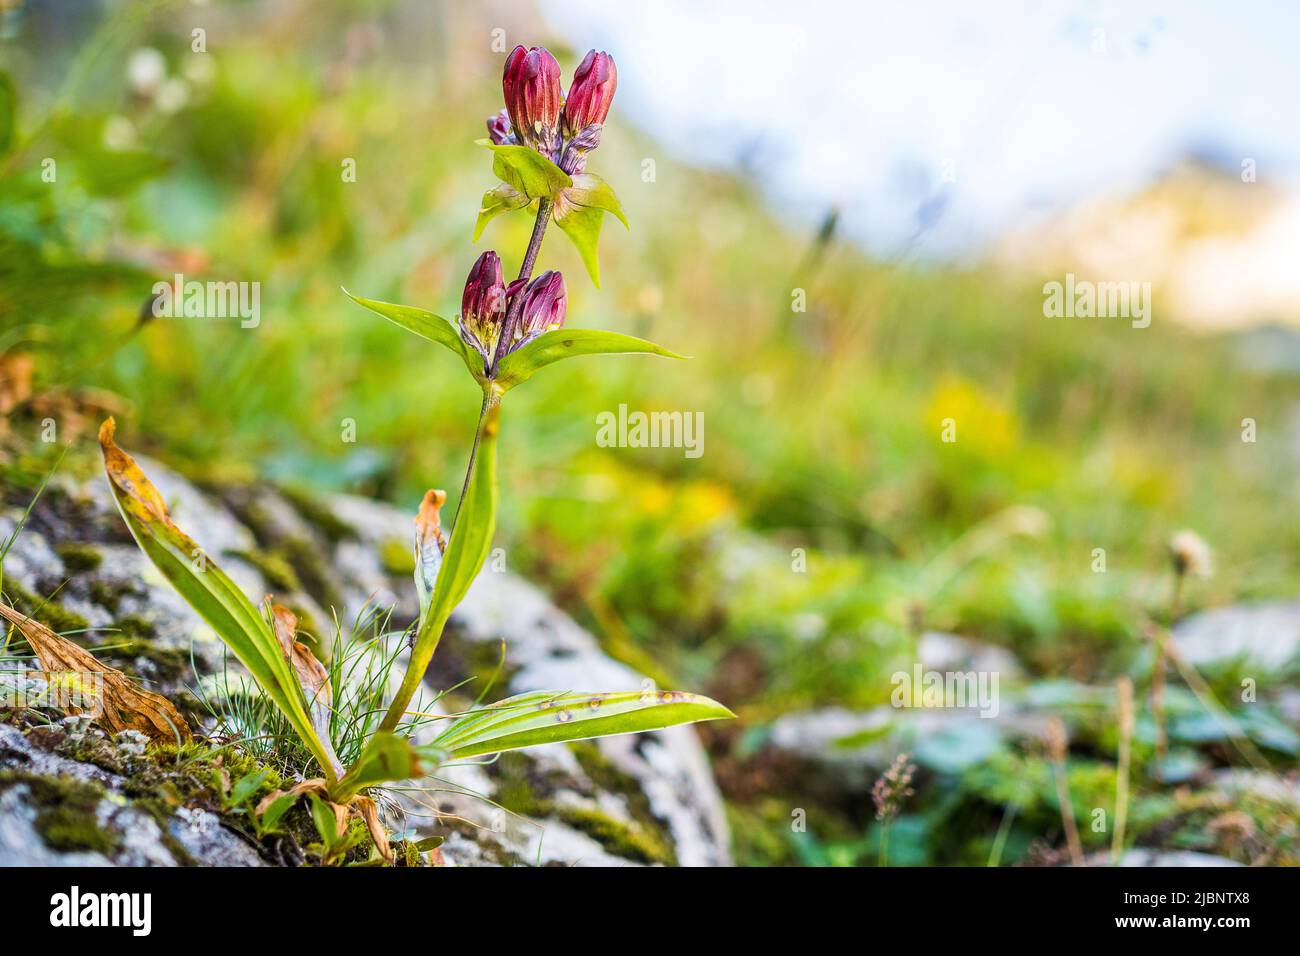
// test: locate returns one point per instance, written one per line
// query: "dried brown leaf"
(311, 673)
(428, 522)
(370, 814)
(125, 705)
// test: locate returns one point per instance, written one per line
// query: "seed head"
(893, 787)
(1191, 555)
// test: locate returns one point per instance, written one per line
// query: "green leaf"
(551, 347)
(590, 190)
(582, 225)
(8, 112)
(471, 540)
(497, 200)
(326, 822)
(544, 717)
(271, 816)
(426, 325)
(207, 589)
(386, 758)
(527, 171)
(247, 785)
(579, 212)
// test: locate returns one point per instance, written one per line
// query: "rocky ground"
(69, 794)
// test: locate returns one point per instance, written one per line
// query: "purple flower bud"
(499, 129)
(574, 158)
(483, 305)
(531, 84)
(545, 302)
(594, 82)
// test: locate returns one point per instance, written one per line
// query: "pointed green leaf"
(497, 200)
(467, 549)
(386, 758)
(544, 717)
(426, 325)
(207, 589)
(527, 170)
(271, 816)
(579, 212)
(582, 225)
(551, 347)
(590, 190)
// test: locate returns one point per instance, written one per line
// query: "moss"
(169, 664)
(50, 613)
(520, 790)
(317, 514)
(608, 778)
(79, 557)
(66, 812)
(312, 570)
(133, 625)
(279, 573)
(396, 556)
(106, 594)
(629, 841)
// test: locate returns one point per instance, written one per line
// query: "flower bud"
(483, 305)
(531, 84)
(594, 82)
(545, 303)
(574, 158)
(499, 129)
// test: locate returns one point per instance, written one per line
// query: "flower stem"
(544, 207)
(488, 399)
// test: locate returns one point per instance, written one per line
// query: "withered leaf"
(313, 677)
(125, 706)
(430, 543)
(370, 814)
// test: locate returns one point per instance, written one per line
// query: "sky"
(934, 125)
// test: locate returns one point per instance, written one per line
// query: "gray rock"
(1141, 857)
(665, 789)
(949, 652)
(137, 838)
(1236, 782)
(1264, 636)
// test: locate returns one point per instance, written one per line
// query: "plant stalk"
(544, 207)
(420, 653)
(491, 399)
(1124, 687)
(1067, 813)
(488, 399)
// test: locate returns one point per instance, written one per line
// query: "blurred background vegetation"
(822, 427)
